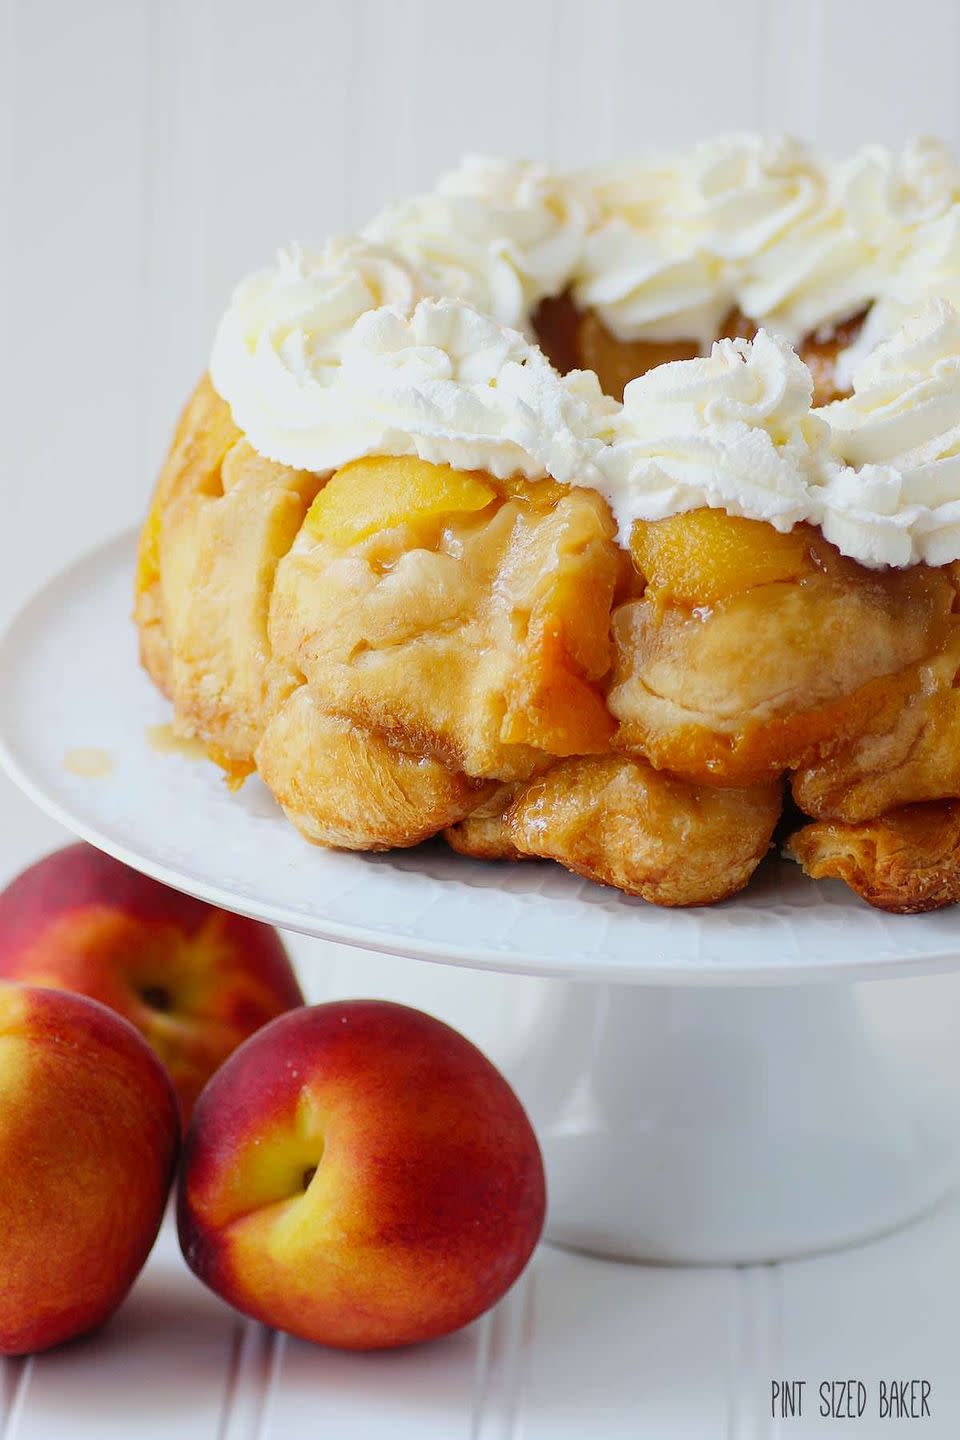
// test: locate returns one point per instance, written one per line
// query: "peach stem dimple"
(157, 998)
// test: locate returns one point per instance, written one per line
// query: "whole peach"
(194, 980)
(88, 1139)
(360, 1175)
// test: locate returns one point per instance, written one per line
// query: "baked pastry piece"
(485, 833)
(350, 788)
(464, 616)
(907, 861)
(751, 652)
(899, 755)
(221, 518)
(616, 820)
(204, 434)
(747, 649)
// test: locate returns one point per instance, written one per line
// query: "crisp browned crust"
(622, 823)
(907, 861)
(485, 834)
(347, 788)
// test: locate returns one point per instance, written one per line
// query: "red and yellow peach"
(88, 1139)
(360, 1175)
(193, 979)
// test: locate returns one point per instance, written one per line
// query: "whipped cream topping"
(764, 226)
(893, 495)
(645, 285)
(826, 260)
(294, 317)
(878, 473)
(666, 249)
(349, 351)
(502, 235)
(930, 268)
(732, 431)
(443, 382)
(863, 218)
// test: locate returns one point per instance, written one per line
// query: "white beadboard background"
(152, 151)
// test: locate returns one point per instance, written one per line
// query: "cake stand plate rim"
(70, 681)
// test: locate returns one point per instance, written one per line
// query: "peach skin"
(360, 1175)
(194, 980)
(88, 1139)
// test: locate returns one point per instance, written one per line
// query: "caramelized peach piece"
(819, 353)
(777, 677)
(704, 556)
(148, 552)
(553, 701)
(379, 492)
(617, 362)
(552, 706)
(555, 323)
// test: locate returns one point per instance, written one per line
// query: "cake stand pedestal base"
(733, 1125)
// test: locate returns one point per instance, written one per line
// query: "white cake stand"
(713, 1086)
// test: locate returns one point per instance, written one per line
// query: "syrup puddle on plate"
(89, 761)
(165, 741)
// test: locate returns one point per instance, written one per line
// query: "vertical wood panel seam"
(525, 1349)
(503, 1363)
(481, 1374)
(755, 1353)
(16, 1376)
(764, 44)
(735, 1360)
(774, 1277)
(276, 1348)
(554, 89)
(148, 218)
(355, 62)
(816, 66)
(256, 1358)
(9, 378)
(232, 1381)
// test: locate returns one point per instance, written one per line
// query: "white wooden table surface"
(151, 151)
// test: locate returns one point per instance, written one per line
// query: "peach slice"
(703, 556)
(148, 552)
(378, 492)
(617, 362)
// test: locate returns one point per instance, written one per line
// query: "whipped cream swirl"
(930, 268)
(442, 382)
(347, 351)
(501, 235)
(766, 227)
(732, 431)
(892, 497)
(294, 316)
(645, 285)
